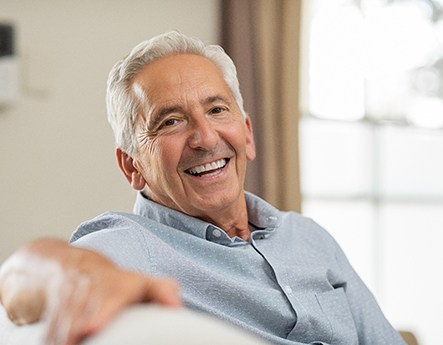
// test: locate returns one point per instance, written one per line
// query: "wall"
(57, 164)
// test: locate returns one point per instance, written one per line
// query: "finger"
(23, 296)
(67, 310)
(128, 289)
(164, 291)
(24, 307)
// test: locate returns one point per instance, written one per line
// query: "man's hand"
(76, 291)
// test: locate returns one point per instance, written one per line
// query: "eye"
(169, 122)
(217, 110)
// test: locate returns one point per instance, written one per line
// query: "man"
(183, 140)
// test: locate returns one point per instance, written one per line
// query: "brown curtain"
(263, 39)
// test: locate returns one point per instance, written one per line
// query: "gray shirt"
(289, 283)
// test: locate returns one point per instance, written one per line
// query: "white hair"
(124, 102)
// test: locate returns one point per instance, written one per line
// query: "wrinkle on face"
(191, 118)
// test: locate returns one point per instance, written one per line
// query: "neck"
(233, 220)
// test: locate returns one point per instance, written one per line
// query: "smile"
(208, 168)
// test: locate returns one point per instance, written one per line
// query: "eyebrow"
(216, 98)
(166, 111)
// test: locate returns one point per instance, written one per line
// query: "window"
(371, 140)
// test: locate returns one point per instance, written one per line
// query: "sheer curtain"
(263, 38)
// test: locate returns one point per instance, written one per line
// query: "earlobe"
(250, 143)
(127, 165)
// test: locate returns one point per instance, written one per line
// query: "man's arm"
(76, 290)
(372, 325)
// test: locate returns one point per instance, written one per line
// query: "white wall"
(57, 165)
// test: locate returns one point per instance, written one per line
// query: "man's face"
(193, 143)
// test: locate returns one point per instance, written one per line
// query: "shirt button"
(288, 289)
(272, 218)
(216, 233)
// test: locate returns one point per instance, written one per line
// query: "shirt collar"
(261, 216)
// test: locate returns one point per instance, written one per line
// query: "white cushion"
(143, 324)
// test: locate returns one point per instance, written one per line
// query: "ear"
(250, 144)
(128, 167)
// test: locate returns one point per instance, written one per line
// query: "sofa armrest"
(142, 324)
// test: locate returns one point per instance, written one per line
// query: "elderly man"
(183, 140)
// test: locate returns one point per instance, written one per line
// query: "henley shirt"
(290, 283)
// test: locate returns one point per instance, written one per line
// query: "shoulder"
(306, 231)
(111, 221)
(121, 237)
(114, 233)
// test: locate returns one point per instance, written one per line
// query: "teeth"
(207, 167)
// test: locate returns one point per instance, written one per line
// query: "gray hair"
(124, 102)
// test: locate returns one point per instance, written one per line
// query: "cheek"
(238, 138)
(166, 155)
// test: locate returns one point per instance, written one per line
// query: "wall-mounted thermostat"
(9, 89)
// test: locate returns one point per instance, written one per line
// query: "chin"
(219, 201)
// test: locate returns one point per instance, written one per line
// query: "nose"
(203, 135)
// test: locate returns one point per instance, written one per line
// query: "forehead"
(183, 73)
